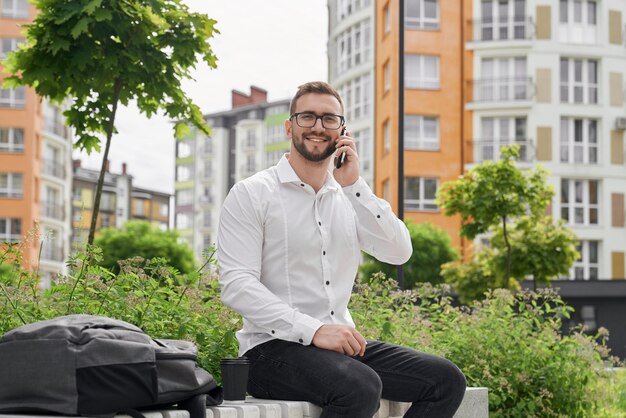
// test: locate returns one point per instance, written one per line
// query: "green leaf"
(181, 130)
(81, 27)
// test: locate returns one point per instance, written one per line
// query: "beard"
(317, 156)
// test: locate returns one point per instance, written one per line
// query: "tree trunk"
(96, 203)
(508, 254)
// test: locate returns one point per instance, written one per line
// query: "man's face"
(316, 143)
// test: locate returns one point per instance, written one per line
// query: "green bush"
(431, 249)
(510, 343)
(147, 293)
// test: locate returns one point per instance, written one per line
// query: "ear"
(288, 128)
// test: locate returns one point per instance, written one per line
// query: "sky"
(274, 44)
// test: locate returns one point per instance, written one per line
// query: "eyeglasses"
(309, 119)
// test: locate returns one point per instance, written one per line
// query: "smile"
(317, 139)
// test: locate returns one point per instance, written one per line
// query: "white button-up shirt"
(288, 256)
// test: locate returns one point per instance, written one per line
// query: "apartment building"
(547, 75)
(35, 161)
(351, 71)
(120, 202)
(244, 140)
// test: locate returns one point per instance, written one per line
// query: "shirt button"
(378, 216)
(332, 312)
(273, 332)
(327, 282)
(302, 184)
(320, 224)
(323, 252)
(358, 194)
(301, 340)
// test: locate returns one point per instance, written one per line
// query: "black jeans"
(353, 386)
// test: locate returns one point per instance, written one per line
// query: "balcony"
(52, 253)
(53, 210)
(488, 30)
(53, 168)
(489, 149)
(512, 89)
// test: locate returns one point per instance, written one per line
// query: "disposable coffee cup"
(235, 378)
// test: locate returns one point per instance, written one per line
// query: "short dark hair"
(317, 87)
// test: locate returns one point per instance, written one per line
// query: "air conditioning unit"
(620, 124)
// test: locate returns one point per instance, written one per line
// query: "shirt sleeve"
(239, 256)
(381, 234)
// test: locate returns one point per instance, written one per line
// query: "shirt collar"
(286, 174)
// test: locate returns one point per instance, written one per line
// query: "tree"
(141, 239)
(431, 249)
(493, 193)
(101, 53)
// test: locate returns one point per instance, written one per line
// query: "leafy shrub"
(147, 293)
(510, 343)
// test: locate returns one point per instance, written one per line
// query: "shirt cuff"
(304, 328)
(358, 189)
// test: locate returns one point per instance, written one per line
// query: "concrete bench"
(475, 405)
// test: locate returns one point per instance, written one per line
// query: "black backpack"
(92, 365)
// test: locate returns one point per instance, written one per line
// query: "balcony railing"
(489, 149)
(53, 210)
(50, 252)
(53, 168)
(514, 89)
(490, 30)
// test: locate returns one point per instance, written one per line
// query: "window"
(54, 121)
(502, 79)
(579, 201)
(206, 219)
(587, 265)
(184, 197)
(164, 209)
(362, 141)
(354, 46)
(250, 164)
(208, 145)
(421, 132)
(387, 19)
(386, 136)
(105, 220)
(11, 140)
(422, 71)
(183, 221)
(578, 21)
(250, 139)
(421, 14)
(499, 132)
(183, 150)
(7, 45)
(13, 98)
(11, 185)
(579, 81)
(579, 140)
(386, 77)
(502, 20)
(14, 9)
(139, 207)
(347, 7)
(77, 194)
(183, 173)
(420, 193)
(10, 229)
(357, 97)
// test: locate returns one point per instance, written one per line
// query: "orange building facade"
(20, 146)
(437, 68)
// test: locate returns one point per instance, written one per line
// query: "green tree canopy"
(142, 239)
(493, 193)
(99, 53)
(431, 249)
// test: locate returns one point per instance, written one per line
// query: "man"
(289, 245)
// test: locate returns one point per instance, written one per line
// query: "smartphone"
(342, 158)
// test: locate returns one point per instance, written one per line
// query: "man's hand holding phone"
(346, 160)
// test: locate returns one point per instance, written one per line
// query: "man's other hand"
(340, 338)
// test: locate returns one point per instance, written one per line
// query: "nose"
(318, 119)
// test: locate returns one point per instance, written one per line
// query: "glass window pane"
(593, 68)
(579, 216)
(578, 191)
(593, 131)
(430, 127)
(430, 188)
(564, 191)
(430, 9)
(593, 251)
(578, 70)
(563, 11)
(578, 11)
(591, 12)
(593, 192)
(593, 273)
(412, 8)
(578, 130)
